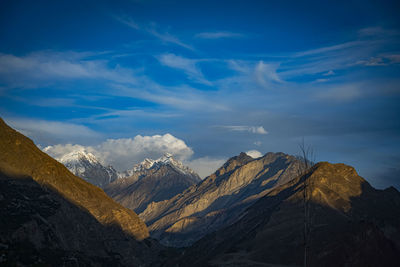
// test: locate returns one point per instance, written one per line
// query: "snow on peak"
(166, 159)
(144, 165)
(78, 155)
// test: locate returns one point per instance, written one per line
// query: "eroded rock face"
(219, 199)
(19, 156)
(152, 180)
(350, 224)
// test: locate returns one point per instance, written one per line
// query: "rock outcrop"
(219, 199)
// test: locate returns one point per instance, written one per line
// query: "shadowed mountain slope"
(217, 200)
(20, 156)
(351, 224)
(152, 181)
(45, 209)
(39, 226)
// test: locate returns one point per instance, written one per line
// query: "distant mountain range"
(148, 181)
(269, 211)
(85, 165)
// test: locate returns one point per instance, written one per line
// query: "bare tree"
(306, 163)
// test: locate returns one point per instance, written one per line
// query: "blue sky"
(219, 77)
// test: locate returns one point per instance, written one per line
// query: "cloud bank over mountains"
(123, 153)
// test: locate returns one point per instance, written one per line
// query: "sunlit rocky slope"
(219, 199)
(349, 224)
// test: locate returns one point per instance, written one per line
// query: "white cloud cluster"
(125, 152)
(57, 151)
(254, 154)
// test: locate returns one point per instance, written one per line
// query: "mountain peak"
(166, 160)
(85, 165)
(152, 180)
(234, 162)
(167, 155)
(78, 155)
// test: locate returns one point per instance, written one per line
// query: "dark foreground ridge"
(48, 215)
(39, 226)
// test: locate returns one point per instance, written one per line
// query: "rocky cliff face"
(219, 199)
(86, 166)
(152, 180)
(349, 224)
(74, 202)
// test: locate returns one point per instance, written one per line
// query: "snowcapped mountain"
(166, 160)
(85, 165)
(152, 180)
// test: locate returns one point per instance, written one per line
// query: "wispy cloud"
(181, 97)
(128, 21)
(266, 73)
(50, 68)
(331, 48)
(42, 67)
(381, 60)
(329, 73)
(45, 132)
(252, 74)
(189, 66)
(152, 30)
(341, 93)
(371, 47)
(218, 35)
(321, 80)
(376, 31)
(243, 128)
